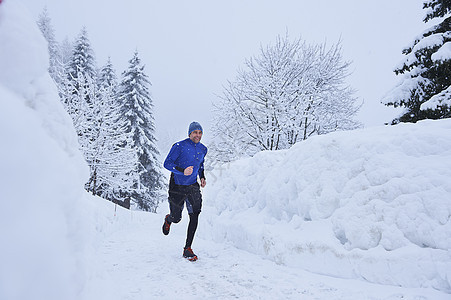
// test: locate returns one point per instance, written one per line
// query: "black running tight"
(192, 226)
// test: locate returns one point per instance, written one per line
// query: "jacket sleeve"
(201, 167)
(201, 172)
(169, 162)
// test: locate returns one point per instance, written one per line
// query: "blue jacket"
(182, 155)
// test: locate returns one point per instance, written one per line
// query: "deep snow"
(373, 204)
(144, 264)
(41, 171)
(369, 205)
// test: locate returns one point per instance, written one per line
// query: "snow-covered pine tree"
(65, 54)
(62, 81)
(85, 103)
(82, 59)
(107, 77)
(79, 89)
(60, 54)
(289, 92)
(113, 162)
(425, 86)
(137, 109)
(44, 24)
(76, 94)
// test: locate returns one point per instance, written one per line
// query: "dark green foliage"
(424, 75)
(439, 8)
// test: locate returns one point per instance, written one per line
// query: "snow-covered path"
(139, 262)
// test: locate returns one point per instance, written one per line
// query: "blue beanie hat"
(194, 126)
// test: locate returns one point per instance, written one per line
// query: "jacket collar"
(191, 142)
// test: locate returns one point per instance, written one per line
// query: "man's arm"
(169, 162)
(201, 173)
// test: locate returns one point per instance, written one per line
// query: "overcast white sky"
(191, 48)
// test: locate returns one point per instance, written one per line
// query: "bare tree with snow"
(288, 93)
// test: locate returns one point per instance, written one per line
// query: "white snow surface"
(373, 204)
(443, 53)
(135, 261)
(356, 215)
(41, 172)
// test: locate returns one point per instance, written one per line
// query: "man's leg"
(192, 226)
(176, 199)
(194, 206)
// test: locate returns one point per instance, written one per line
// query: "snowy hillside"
(373, 204)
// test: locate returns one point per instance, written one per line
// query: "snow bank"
(373, 204)
(103, 219)
(41, 172)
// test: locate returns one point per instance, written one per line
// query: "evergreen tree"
(436, 8)
(425, 87)
(79, 88)
(60, 54)
(86, 104)
(109, 144)
(44, 24)
(107, 76)
(76, 93)
(64, 58)
(82, 59)
(113, 162)
(136, 108)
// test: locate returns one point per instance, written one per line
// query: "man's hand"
(188, 171)
(202, 182)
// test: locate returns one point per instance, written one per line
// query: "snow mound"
(41, 172)
(21, 37)
(372, 204)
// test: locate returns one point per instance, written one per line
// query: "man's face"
(196, 136)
